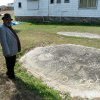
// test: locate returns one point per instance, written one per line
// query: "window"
(88, 4)
(32, 4)
(51, 1)
(58, 1)
(66, 1)
(19, 5)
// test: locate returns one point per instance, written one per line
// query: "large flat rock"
(67, 67)
(78, 34)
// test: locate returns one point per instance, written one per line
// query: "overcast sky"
(5, 2)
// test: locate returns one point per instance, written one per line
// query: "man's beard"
(8, 24)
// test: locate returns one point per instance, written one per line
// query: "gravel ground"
(67, 67)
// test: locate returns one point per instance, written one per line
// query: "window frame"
(88, 7)
(31, 1)
(52, 2)
(58, 2)
(19, 5)
(67, 1)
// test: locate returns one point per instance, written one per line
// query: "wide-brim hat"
(7, 16)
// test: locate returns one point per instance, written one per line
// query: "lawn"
(36, 35)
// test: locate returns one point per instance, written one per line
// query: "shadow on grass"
(24, 92)
(32, 90)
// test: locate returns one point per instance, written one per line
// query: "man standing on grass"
(10, 44)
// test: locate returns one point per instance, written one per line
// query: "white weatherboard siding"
(44, 8)
(26, 10)
(20, 11)
(32, 5)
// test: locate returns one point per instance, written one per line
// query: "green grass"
(34, 35)
(35, 85)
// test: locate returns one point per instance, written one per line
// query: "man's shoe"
(11, 77)
(7, 73)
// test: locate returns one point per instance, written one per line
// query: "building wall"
(20, 11)
(44, 8)
(26, 10)
(43, 11)
(72, 10)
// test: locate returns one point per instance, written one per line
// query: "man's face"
(7, 22)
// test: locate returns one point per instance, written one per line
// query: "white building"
(11, 5)
(58, 10)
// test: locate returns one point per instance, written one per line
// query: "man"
(10, 44)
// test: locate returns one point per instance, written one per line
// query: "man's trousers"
(10, 63)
